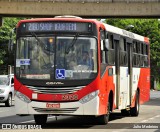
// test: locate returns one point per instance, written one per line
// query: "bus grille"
(62, 90)
(57, 110)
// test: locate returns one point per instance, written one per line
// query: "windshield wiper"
(41, 42)
(72, 43)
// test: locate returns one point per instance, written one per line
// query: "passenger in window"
(72, 61)
(42, 57)
(87, 60)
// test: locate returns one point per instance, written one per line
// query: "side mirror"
(106, 44)
(102, 34)
(102, 45)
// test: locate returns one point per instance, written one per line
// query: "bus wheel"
(40, 119)
(8, 102)
(135, 110)
(103, 119)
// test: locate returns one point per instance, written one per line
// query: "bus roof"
(125, 33)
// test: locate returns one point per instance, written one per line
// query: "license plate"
(50, 105)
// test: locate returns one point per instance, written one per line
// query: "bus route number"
(70, 97)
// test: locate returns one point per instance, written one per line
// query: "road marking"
(151, 118)
(157, 116)
(144, 121)
(27, 121)
(4, 111)
(51, 117)
(122, 129)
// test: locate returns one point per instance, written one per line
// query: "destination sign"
(56, 27)
(51, 26)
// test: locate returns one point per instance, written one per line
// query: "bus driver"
(86, 60)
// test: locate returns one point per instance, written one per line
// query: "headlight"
(88, 97)
(2, 91)
(23, 97)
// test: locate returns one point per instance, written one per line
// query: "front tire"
(40, 119)
(8, 102)
(103, 119)
(134, 111)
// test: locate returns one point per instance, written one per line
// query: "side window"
(111, 44)
(107, 49)
(12, 81)
(123, 52)
(140, 54)
(103, 44)
(136, 56)
(139, 47)
(110, 54)
(147, 49)
(103, 50)
(142, 48)
(134, 46)
(134, 53)
(146, 59)
(121, 44)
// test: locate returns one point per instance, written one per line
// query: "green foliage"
(158, 86)
(5, 30)
(2, 53)
(5, 36)
(149, 28)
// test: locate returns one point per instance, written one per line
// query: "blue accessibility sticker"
(60, 73)
(24, 61)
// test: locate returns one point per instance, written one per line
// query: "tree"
(5, 30)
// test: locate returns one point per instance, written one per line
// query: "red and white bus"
(75, 66)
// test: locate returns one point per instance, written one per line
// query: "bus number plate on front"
(50, 105)
(70, 97)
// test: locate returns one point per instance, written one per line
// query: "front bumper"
(66, 108)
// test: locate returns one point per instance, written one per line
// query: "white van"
(6, 89)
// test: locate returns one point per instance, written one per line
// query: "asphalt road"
(149, 117)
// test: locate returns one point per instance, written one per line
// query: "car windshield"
(4, 81)
(61, 57)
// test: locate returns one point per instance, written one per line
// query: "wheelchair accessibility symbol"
(60, 73)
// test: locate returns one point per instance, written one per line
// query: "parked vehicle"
(6, 89)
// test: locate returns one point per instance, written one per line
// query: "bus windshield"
(56, 57)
